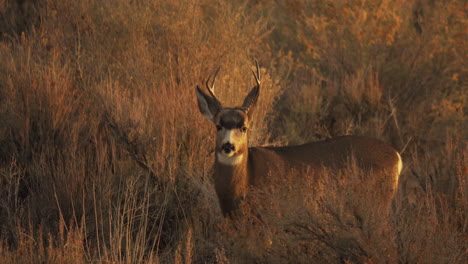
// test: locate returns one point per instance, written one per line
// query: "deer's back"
(336, 153)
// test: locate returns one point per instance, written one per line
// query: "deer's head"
(232, 123)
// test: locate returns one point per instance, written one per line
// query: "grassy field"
(104, 157)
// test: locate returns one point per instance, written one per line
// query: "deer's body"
(232, 182)
(238, 168)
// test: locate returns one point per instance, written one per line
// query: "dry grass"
(104, 157)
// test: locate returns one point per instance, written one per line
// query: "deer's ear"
(251, 100)
(207, 105)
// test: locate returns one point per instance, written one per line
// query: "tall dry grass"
(104, 158)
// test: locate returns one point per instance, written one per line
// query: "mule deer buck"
(239, 167)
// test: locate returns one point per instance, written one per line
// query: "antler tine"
(211, 87)
(257, 73)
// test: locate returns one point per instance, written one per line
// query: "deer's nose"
(228, 147)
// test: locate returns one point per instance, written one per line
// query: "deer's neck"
(231, 182)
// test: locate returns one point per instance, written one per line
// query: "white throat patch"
(230, 161)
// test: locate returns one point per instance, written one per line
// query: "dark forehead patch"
(232, 118)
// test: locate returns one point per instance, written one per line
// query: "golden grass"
(104, 157)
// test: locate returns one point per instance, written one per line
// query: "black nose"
(228, 147)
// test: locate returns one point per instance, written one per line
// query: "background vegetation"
(104, 157)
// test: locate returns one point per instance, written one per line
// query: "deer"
(238, 168)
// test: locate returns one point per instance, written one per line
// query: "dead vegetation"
(105, 159)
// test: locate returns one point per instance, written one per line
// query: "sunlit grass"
(104, 157)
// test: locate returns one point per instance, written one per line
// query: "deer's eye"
(243, 129)
(218, 127)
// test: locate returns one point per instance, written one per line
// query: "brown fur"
(232, 183)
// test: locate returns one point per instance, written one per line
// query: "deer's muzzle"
(228, 147)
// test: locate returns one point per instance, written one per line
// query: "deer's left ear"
(251, 100)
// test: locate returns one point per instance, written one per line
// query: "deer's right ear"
(207, 105)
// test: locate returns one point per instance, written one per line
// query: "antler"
(251, 100)
(256, 74)
(211, 87)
